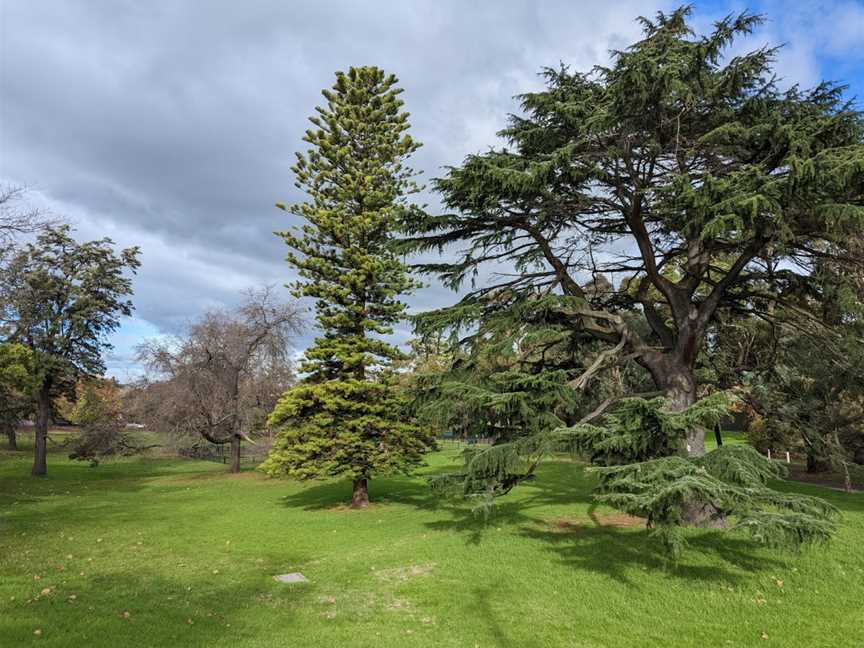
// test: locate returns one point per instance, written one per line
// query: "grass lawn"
(160, 552)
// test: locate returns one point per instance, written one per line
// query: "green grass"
(189, 553)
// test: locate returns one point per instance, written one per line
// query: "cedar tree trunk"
(677, 379)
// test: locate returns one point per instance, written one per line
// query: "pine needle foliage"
(730, 484)
(670, 177)
(346, 416)
(641, 473)
(640, 430)
(345, 427)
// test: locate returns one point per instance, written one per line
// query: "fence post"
(769, 454)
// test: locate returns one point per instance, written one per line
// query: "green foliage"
(357, 184)
(501, 406)
(729, 483)
(344, 427)
(642, 474)
(640, 430)
(98, 411)
(734, 191)
(63, 298)
(17, 381)
(346, 416)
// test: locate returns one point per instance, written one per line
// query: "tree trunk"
(235, 454)
(679, 386)
(43, 417)
(360, 498)
(12, 437)
(718, 436)
(817, 464)
(678, 382)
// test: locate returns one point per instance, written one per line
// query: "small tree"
(62, 298)
(222, 378)
(16, 388)
(347, 417)
(98, 411)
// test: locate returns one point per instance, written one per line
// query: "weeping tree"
(347, 416)
(637, 205)
(220, 379)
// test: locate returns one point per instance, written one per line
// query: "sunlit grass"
(157, 552)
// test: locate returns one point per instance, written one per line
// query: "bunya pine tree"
(347, 417)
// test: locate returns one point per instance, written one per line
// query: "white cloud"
(173, 125)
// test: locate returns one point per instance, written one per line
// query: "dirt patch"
(404, 573)
(618, 520)
(567, 525)
(347, 508)
(577, 525)
(833, 480)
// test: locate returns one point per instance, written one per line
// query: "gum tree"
(62, 299)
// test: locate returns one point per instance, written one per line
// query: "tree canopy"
(16, 388)
(639, 201)
(62, 298)
(346, 416)
(643, 205)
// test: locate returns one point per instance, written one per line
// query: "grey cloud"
(173, 125)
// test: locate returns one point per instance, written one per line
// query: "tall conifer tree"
(346, 418)
(643, 205)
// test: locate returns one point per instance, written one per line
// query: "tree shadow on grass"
(124, 609)
(482, 610)
(327, 495)
(591, 544)
(617, 551)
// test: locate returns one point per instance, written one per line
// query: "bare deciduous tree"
(223, 376)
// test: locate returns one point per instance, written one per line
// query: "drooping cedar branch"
(645, 197)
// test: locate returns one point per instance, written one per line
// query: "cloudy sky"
(172, 125)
